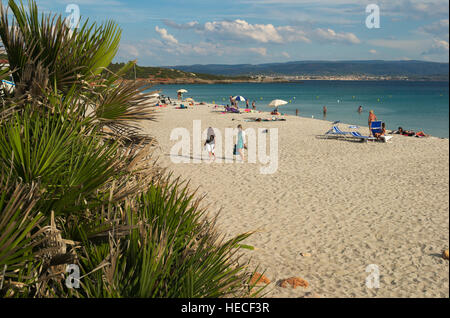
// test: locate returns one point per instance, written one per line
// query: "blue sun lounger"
(357, 135)
(375, 127)
(335, 131)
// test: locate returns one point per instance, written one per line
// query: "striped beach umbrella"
(239, 98)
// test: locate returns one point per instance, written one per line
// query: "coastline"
(169, 81)
(347, 204)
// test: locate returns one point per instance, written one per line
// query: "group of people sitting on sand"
(399, 131)
(275, 112)
(410, 133)
(231, 109)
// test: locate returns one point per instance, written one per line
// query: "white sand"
(348, 204)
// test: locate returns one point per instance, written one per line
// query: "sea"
(418, 106)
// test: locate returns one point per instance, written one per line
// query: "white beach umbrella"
(182, 91)
(277, 102)
(188, 99)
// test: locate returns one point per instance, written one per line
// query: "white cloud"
(332, 36)
(166, 36)
(240, 29)
(184, 26)
(259, 50)
(266, 33)
(438, 28)
(291, 34)
(438, 47)
(133, 51)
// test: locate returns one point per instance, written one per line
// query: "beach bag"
(235, 152)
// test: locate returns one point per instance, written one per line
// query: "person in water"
(360, 109)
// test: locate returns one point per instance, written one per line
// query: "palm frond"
(18, 220)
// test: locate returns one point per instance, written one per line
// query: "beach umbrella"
(277, 102)
(189, 99)
(239, 98)
(182, 91)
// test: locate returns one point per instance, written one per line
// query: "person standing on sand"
(253, 105)
(372, 118)
(240, 145)
(246, 102)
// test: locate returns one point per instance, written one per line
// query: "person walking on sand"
(240, 145)
(210, 143)
(372, 118)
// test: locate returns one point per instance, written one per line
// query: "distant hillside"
(324, 68)
(160, 73)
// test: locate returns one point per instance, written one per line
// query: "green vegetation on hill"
(167, 73)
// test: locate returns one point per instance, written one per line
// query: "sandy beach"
(347, 204)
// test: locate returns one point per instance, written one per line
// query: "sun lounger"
(375, 127)
(357, 135)
(335, 131)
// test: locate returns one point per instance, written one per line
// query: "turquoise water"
(412, 105)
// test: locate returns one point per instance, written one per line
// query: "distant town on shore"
(292, 72)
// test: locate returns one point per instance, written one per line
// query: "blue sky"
(173, 32)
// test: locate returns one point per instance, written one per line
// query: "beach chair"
(357, 135)
(375, 127)
(335, 131)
